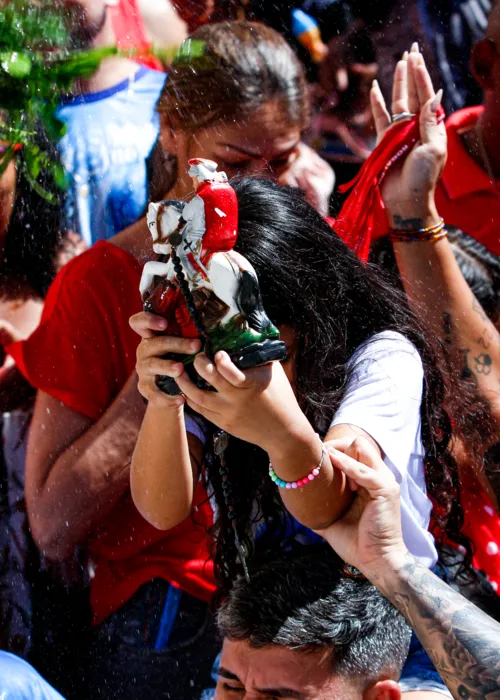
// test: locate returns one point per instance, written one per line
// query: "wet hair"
(312, 282)
(246, 65)
(480, 268)
(35, 232)
(303, 600)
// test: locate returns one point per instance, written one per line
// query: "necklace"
(484, 154)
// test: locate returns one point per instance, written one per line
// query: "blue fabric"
(19, 681)
(170, 610)
(110, 135)
(419, 672)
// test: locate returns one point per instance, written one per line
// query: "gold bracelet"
(430, 234)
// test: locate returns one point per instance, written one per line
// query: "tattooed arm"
(436, 287)
(462, 641)
(430, 274)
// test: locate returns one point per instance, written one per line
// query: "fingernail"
(375, 84)
(194, 345)
(178, 368)
(162, 323)
(414, 47)
(405, 56)
(437, 100)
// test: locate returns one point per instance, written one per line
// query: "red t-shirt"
(465, 196)
(82, 353)
(130, 33)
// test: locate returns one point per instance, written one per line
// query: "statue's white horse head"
(163, 219)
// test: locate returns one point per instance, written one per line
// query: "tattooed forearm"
(462, 641)
(402, 224)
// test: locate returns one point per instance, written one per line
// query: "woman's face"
(261, 145)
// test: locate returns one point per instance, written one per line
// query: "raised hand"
(408, 189)
(369, 535)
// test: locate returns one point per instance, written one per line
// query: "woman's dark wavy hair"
(34, 234)
(311, 281)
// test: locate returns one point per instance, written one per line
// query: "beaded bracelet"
(430, 234)
(301, 482)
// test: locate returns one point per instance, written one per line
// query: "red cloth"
(466, 197)
(363, 216)
(221, 216)
(130, 33)
(195, 13)
(482, 527)
(82, 353)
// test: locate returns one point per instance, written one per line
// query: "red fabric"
(466, 197)
(130, 33)
(82, 353)
(221, 216)
(195, 13)
(482, 527)
(363, 216)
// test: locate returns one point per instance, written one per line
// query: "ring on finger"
(402, 115)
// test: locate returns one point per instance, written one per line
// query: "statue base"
(252, 355)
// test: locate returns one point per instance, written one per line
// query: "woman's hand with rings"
(409, 186)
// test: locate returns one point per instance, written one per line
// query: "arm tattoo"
(402, 224)
(476, 306)
(462, 641)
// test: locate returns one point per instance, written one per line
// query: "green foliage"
(36, 68)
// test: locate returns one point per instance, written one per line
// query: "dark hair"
(304, 600)
(480, 268)
(311, 281)
(35, 232)
(246, 64)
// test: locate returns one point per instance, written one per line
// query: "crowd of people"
(145, 552)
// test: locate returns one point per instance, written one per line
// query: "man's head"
(485, 58)
(302, 629)
(87, 19)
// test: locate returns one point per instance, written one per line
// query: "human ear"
(383, 690)
(482, 63)
(168, 135)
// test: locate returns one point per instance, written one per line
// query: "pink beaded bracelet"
(301, 482)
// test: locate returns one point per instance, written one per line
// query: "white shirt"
(383, 398)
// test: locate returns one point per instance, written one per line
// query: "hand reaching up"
(408, 189)
(369, 535)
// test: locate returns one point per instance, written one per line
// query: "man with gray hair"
(304, 628)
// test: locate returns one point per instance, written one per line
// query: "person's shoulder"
(149, 80)
(390, 362)
(386, 344)
(463, 119)
(20, 680)
(100, 260)
(104, 266)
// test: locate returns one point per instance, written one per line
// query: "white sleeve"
(384, 395)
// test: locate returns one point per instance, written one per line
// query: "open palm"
(408, 189)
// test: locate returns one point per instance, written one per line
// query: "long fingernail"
(375, 84)
(437, 100)
(405, 56)
(414, 47)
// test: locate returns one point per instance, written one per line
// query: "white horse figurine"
(227, 274)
